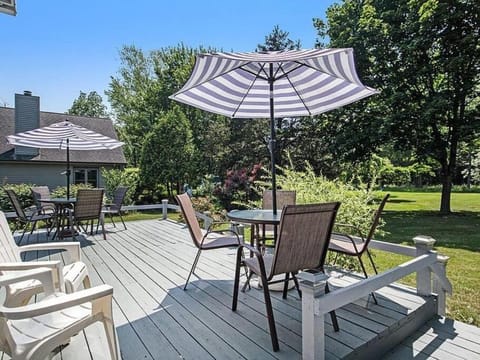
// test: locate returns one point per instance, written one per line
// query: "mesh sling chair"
(357, 244)
(284, 197)
(31, 216)
(88, 208)
(208, 240)
(40, 193)
(304, 234)
(70, 276)
(115, 207)
(33, 331)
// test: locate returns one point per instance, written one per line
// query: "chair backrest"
(304, 236)
(16, 205)
(284, 197)
(376, 220)
(41, 193)
(191, 220)
(88, 205)
(118, 198)
(8, 248)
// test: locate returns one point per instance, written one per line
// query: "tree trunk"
(446, 193)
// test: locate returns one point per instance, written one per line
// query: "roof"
(101, 125)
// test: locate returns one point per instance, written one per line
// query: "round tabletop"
(255, 216)
(59, 200)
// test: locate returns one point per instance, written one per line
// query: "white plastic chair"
(33, 331)
(68, 278)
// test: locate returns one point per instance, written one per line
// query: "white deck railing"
(316, 303)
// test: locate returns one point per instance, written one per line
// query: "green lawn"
(408, 214)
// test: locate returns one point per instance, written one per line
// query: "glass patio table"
(255, 217)
(60, 205)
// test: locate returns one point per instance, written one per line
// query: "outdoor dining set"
(300, 237)
(66, 216)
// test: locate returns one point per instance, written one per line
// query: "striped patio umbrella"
(273, 85)
(64, 136)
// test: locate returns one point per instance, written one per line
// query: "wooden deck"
(155, 319)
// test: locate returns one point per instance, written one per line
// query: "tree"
(278, 40)
(90, 105)
(424, 56)
(167, 150)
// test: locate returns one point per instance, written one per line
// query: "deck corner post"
(424, 245)
(164, 209)
(438, 288)
(312, 284)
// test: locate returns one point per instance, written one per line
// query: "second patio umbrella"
(273, 85)
(64, 135)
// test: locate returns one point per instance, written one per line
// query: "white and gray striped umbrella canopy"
(305, 83)
(64, 136)
(273, 84)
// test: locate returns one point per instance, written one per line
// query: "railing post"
(164, 209)
(312, 284)
(438, 288)
(424, 245)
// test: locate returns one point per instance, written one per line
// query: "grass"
(408, 214)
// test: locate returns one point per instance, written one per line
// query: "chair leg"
(121, 218)
(247, 282)
(297, 285)
(371, 261)
(194, 265)
(333, 315)
(285, 285)
(111, 219)
(236, 282)
(366, 276)
(271, 320)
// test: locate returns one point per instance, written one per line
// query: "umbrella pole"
(68, 170)
(272, 145)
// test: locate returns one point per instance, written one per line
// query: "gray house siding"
(52, 175)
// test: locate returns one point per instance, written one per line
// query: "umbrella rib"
(285, 74)
(249, 88)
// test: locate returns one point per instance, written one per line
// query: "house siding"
(39, 174)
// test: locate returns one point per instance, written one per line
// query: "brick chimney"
(27, 117)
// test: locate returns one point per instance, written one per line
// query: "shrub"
(23, 192)
(114, 178)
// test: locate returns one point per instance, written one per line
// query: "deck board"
(156, 319)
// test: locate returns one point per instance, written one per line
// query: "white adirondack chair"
(33, 331)
(68, 277)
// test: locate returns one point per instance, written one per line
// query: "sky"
(58, 48)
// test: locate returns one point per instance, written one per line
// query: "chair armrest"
(251, 248)
(240, 242)
(72, 248)
(43, 274)
(16, 266)
(350, 226)
(58, 303)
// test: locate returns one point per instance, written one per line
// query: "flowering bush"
(237, 187)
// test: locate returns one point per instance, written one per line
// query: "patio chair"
(42, 193)
(88, 208)
(28, 216)
(69, 277)
(356, 244)
(208, 240)
(115, 207)
(33, 331)
(284, 197)
(302, 244)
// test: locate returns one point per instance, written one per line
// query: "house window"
(86, 176)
